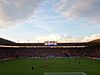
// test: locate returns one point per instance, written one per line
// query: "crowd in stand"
(6, 53)
(48, 52)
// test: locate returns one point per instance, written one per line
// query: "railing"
(6, 46)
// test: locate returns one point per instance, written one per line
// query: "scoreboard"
(50, 43)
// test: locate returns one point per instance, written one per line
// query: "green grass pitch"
(23, 66)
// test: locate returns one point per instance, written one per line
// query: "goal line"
(65, 73)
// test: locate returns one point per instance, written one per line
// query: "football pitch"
(51, 66)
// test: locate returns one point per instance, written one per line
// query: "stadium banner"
(50, 43)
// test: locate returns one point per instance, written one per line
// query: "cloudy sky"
(59, 20)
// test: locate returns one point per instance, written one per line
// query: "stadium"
(49, 37)
(49, 58)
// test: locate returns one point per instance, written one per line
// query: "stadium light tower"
(28, 41)
(18, 41)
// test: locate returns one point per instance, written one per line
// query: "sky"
(45, 20)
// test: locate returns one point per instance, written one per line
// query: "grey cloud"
(13, 11)
(89, 9)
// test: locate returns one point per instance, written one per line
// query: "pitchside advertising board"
(50, 43)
